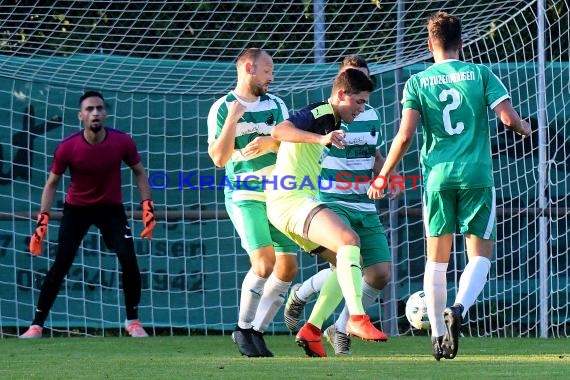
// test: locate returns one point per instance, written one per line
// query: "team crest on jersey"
(253, 136)
(270, 120)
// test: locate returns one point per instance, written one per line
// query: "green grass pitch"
(216, 357)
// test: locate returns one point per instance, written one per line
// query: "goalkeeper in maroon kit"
(94, 156)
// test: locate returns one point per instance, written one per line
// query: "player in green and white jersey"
(451, 99)
(345, 178)
(239, 138)
(295, 209)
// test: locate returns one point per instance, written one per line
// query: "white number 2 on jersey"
(455, 102)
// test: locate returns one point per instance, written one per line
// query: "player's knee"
(262, 261)
(262, 268)
(379, 282)
(285, 267)
(286, 275)
(377, 276)
(350, 238)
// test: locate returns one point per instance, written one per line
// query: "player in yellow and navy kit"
(344, 180)
(295, 209)
(451, 98)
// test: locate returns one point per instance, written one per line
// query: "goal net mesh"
(161, 65)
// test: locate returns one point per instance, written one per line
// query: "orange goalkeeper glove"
(39, 234)
(148, 218)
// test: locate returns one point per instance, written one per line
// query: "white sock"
(274, 294)
(472, 281)
(251, 291)
(435, 289)
(369, 298)
(369, 294)
(314, 284)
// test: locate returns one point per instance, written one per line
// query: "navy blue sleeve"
(305, 120)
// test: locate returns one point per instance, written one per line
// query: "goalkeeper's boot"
(309, 338)
(338, 340)
(452, 318)
(244, 341)
(293, 309)
(34, 332)
(360, 326)
(437, 352)
(259, 343)
(135, 329)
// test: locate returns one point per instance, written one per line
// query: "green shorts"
(373, 243)
(250, 221)
(472, 210)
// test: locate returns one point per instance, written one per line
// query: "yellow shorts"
(291, 214)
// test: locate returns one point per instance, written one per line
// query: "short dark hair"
(353, 81)
(90, 94)
(354, 60)
(445, 30)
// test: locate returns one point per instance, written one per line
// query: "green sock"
(350, 277)
(329, 298)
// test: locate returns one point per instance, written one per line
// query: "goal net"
(161, 65)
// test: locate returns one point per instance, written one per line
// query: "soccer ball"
(416, 311)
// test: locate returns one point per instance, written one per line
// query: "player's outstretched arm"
(148, 219)
(141, 180)
(400, 145)
(511, 119)
(48, 195)
(379, 161)
(286, 131)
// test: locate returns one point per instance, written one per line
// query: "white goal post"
(161, 64)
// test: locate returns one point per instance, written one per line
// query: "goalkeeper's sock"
(328, 300)
(435, 290)
(313, 285)
(274, 294)
(132, 313)
(350, 277)
(472, 282)
(251, 291)
(39, 318)
(369, 298)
